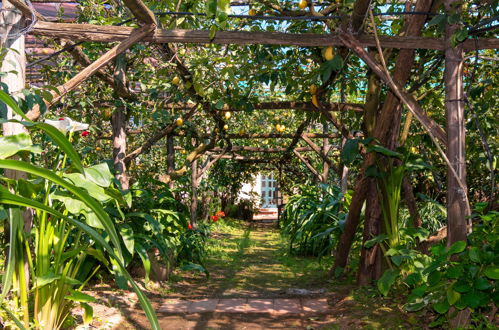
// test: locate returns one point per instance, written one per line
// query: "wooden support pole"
(170, 158)
(194, 191)
(107, 33)
(325, 150)
(104, 60)
(457, 208)
(118, 124)
(13, 67)
(307, 164)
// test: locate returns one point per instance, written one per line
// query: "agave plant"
(43, 275)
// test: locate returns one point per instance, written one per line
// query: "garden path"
(255, 284)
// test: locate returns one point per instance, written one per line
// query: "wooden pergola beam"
(107, 33)
(259, 149)
(276, 136)
(278, 105)
(307, 164)
(135, 36)
(140, 11)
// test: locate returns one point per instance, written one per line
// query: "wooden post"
(170, 158)
(325, 150)
(194, 191)
(457, 208)
(118, 124)
(14, 68)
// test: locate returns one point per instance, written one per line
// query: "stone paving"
(245, 305)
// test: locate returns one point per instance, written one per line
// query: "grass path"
(251, 261)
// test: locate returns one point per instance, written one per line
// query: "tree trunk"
(370, 258)
(118, 124)
(325, 149)
(457, 208)
(386, 130)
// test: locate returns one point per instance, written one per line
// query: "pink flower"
(85, 133)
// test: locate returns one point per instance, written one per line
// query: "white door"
(268, 193)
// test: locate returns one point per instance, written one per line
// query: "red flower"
(85, 133)
(214, 218)
(62, 118)
(189, 226)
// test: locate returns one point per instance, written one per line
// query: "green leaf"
(15, 222)
(80, 297)
(211, 8)
(452, 296)
(126, 233)
(386, 281)
(88, 313)
(492, 272)
(482, 284)
(414, 306)
(350, 151)
(384, 151)
(436, 20)
(13, 144)
(376, 240)
(10, 102)
(454, 272)
(93, 189)
(457, 247)
(45, 279)
(441, 307)
(100, 174)
(462, 286)
(434, 278)
(141, 251)
(474, 254)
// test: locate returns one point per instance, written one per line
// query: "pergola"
(348, 37)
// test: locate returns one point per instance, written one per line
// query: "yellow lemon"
(242, 132)
(252, 12)
(98, 148)
(315, 101)
(182, 151)
(226, 127)
(179, 122)
(227, 115)
(302, 4)
(313, 89)
(328, 53)
(176, 80)
(283, 128)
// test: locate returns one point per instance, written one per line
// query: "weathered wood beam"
(259, 149)
(269, 135)
(135, 36)
(141, 11)
(307, 164)
(107, 33)
(408, 99)
(278, 105)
